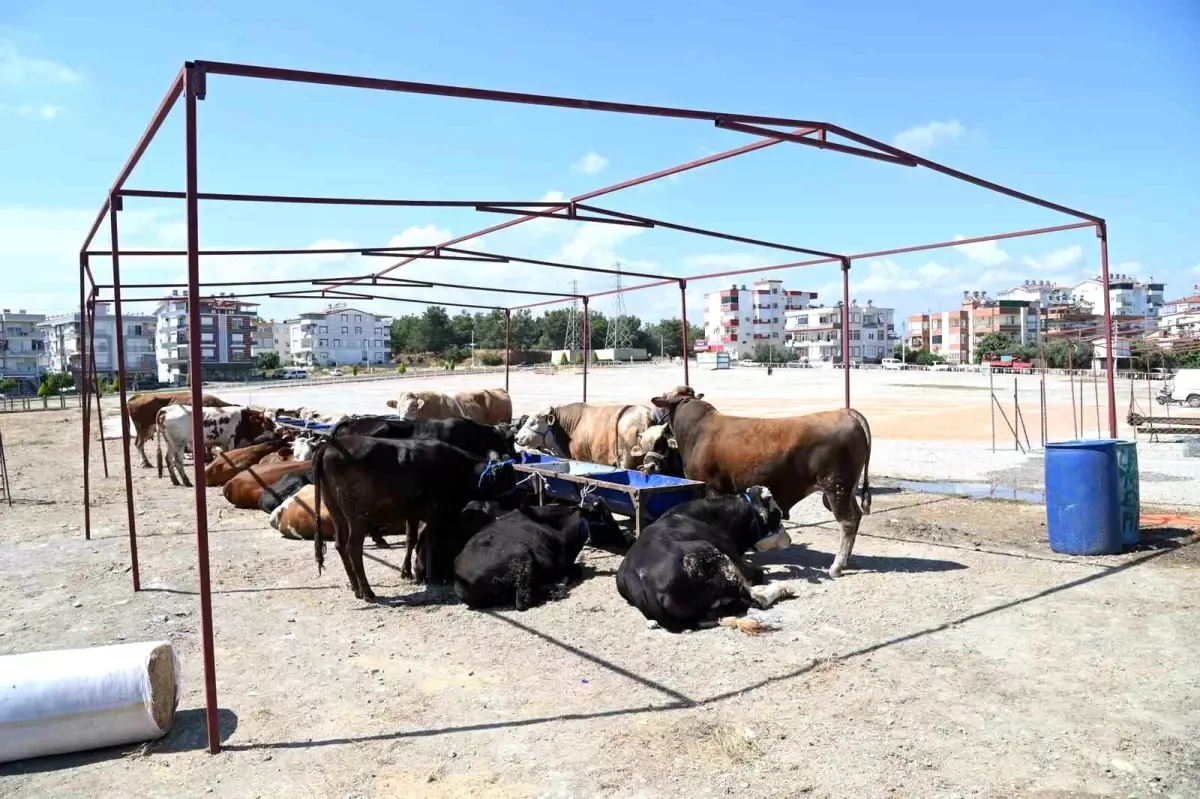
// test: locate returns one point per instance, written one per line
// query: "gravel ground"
(958, 657)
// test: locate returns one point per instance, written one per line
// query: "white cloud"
(17, 69)
(595, 243)
(591, 164)
(924, 138)
(1124, 268)
(40, 111)
(1059, 259)
(887, 275)
(423, 236)
(1196, 269)
(982, 252)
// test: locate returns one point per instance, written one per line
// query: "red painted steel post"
(507, 344)
(114, 205)
(587, 341)
(1110, 387)
(846, 327)
(84, 401)
(684, 329)
(192, 80)
(96, 382)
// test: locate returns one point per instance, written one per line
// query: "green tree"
(773, 353)
(44, 390)
(995, 344)
(562, 360)
(7, 385)
(595, 358)
(402, 331)
(927, 358)
(267, 360)
(905, 354)
(1189, 360)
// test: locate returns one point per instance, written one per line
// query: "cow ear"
(672, 443)
(391, 403)
(700, 396)
(493, 455)
(637, 452)
(551, 420)
(420, 403)
(659, 402)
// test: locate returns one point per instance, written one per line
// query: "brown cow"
(226, 465)
(792, 457)
(245, 490)
(294, 517)
(485, 405)
(607, 434)
(144, 408)
(281, 455)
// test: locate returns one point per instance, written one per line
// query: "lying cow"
(687, 571)
(227, 465)
(378, 484)
(606, 434)
(296, 517)
(229, 428)
(246, 490)
(143, 414)
(792, 457)
(485, 405)
(526, 556)
(283, 489)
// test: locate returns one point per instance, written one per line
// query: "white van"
(1185, 387)
(892, 363)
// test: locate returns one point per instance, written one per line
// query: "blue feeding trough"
(1092, 496)
(642, 497)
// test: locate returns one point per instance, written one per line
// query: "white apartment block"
(1180, 319)
(281, 334)
(340, 336)
(62, 338)
(736, 320)
(226, 337)
(815, 333)
(21, 346)
(1127, 295)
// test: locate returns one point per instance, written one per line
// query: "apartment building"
(815, 333)
(955, 334)
(226, 337)
(21, 347)
(1129, 298)
(737, 319)
(263, 338)
(339, 336)
(63, 337)
(1179, 321)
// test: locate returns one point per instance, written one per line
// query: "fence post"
(992, 404)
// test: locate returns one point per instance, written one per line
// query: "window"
(206, 338)
(936, 339)
(323, 343)
(324, 329)
(207, 352)
(345, 318)
(206, 320)
(345, 330)
(358, 330)
(324, 356)
(802, 320)
(378, 343)
(337, 342)
(379, 331)
(855, 335)
(358, 317)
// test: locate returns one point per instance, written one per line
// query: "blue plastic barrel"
(1092, 496)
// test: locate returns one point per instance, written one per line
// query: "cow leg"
(380, 541)
(523, 583)
(342, 535)
(410, 539)
(846, 511)
(179, 465)
(139, 441)
(356, 561)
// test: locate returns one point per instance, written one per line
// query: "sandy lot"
(958, 657)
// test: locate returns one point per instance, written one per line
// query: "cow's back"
(245, 490)
(495, 405)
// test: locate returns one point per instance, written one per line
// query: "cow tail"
(865, 493)
(318, 457)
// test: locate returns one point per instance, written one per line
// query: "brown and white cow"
(485, 405)
(228, 428)
(295, 518)
(607, 434)
(226, 465)
(144, 408)
(793, 457)
(245, 491)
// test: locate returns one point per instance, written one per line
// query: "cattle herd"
(440, 471)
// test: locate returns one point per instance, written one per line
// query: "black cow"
(277, 493)
(527, 555)
(377, 484)
(473, 437)
(686, 570)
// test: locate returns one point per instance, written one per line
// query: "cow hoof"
(835, 571)
(380, 543)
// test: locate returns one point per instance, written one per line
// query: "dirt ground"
(958, 657)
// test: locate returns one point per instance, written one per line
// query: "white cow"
(227, 428)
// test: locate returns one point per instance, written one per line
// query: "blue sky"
(1092, 104)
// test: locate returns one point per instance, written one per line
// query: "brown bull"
(245, 491)
(144, 408)
(792, 457)
(226, 465)
(484, 405)
(607, 434)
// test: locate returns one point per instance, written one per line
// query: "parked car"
(941, 367)
(892, 363)
(335, 372)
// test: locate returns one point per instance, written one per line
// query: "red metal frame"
(191, 84)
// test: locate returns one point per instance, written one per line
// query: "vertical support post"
(846, 327)
(114, 205)
(1110, 372)
(193, 90)
(1016, 415)
(683, 327)
(1096, 390)
(96, 381)
(1042, 411)
(587, 345)
(507, 344)
(1071, 379)
(992, 404)
(82, 390)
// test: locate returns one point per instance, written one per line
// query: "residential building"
(281, 333)
(737, 319)
(955, 334)
(21, 348)
(815, 333)
(62, 339)
(226, 337)
(263, 338)
(1179, 321)
(338, 336)
(1127, 296)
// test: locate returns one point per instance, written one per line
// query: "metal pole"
(1071, 378)
(684, 329)
(1016, 417)
(587, 336)
(507, 344)
(846, 327)
(1110, 387)
(114, 205)
(992, 404)
(83, 392)
(193, 86)
(1042, 411)
(1096, 388)
(96, 383)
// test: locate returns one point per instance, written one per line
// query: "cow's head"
(541, 432)
(655, 447)
(496, 477)
(408, 405)
(682, 391)
(302, 448)
(769, 523)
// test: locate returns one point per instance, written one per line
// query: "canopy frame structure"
(191, 84)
